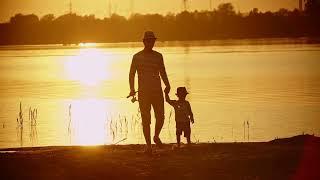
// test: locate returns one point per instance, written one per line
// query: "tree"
(312, 7)
(47, 18)
(226, 9)
(197, 25)
(24, 19)
(283, 12)
(254, 12)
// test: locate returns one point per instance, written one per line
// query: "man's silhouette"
(149, 66)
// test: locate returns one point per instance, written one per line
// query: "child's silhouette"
(183, 114)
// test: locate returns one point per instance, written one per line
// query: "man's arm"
(132, 73)
(168, 100)
(164, 76)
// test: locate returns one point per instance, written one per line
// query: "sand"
(294, 158)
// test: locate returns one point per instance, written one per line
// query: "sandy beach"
(292, 158)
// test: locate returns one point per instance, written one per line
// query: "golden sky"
(101, 7)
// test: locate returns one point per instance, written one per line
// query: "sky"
(100, 8)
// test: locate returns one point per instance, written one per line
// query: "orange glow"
(87, 44)
(89, 120)
(89, 67)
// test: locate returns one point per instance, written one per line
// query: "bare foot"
(157, 140)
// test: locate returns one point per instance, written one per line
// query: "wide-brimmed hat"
(149, 35)
(182, 91)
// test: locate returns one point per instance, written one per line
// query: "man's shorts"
(183, 127)
(146, 100)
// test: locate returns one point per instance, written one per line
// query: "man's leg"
(145, 107)
(188, 139)
(178, 140)
(158, 107)
(158, 126)
(146, 133)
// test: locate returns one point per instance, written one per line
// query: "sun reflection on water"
(87, 44)
(90, 67)
(89, 120)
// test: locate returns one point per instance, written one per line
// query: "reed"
(33, 115)
(20, 116)
(244, 131)
(196, 140)
(70, 124)
(248, 126)
(20, 125)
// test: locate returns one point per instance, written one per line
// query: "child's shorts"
(183, 127)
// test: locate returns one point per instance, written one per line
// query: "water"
(274, 85)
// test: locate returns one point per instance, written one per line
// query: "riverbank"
(169, 43)
(293, 158)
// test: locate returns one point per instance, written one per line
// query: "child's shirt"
(182, 110)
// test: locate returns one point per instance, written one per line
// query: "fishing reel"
(134, 97)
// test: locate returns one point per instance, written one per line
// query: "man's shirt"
(149, 66)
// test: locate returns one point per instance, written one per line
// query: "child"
(183, 114)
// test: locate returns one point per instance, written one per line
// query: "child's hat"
(182, 91)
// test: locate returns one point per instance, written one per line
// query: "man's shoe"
(157, 140)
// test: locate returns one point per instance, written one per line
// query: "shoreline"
(294, 140)
(293, 158)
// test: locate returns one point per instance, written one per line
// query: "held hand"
(192, 121)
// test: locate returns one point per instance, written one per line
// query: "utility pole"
(302, 4)
(185, 5)
(131, 7)
(211, 5)
(109, 8)
(70, 7)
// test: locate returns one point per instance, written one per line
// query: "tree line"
(223, 22)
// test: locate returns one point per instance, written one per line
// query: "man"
(149, 66)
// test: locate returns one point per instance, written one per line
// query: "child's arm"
(191, 114)
(168, 100)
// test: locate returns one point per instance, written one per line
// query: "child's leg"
(188, 134)
(178, 133)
